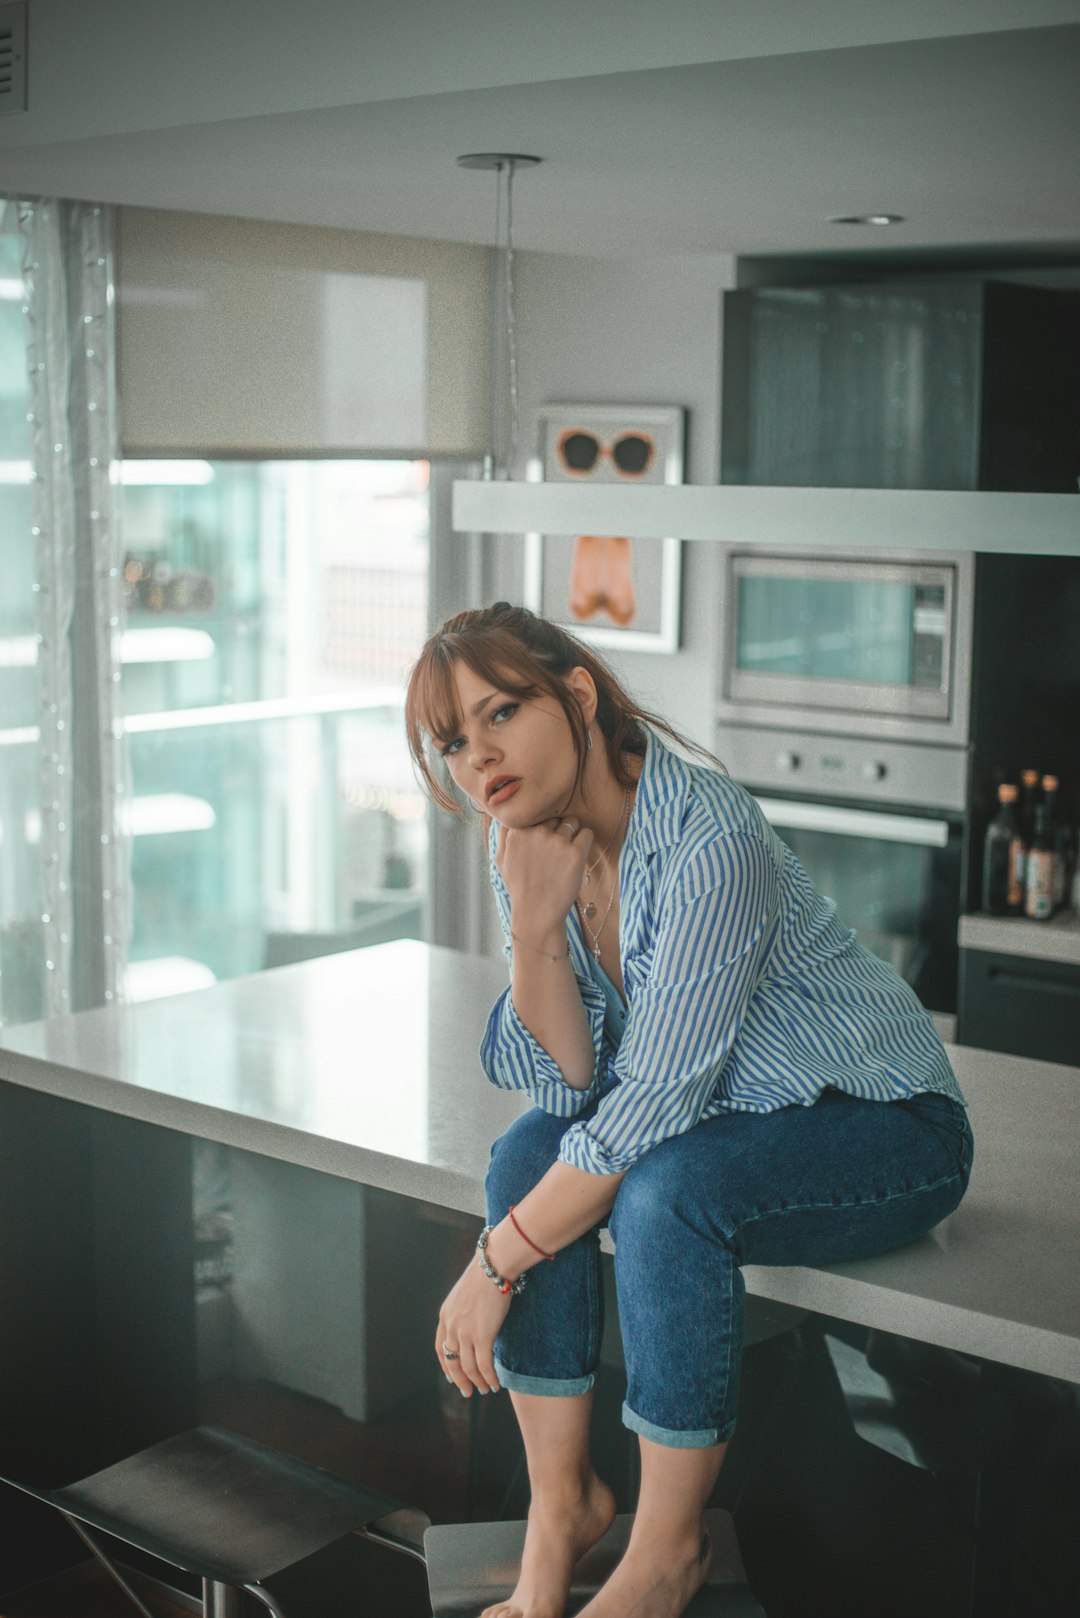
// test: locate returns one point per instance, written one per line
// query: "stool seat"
(473, 1565)
(224, 1508)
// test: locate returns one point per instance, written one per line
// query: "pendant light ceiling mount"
(497, 160)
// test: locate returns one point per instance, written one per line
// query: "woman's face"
(514, 758)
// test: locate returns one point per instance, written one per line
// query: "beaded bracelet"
(528, 1239)
(516, 1287)
(554, 959)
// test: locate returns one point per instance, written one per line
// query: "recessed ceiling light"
(867, 219)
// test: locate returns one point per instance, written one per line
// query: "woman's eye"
(451, 747)
(507, 709)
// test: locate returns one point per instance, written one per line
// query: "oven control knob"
(787, 761)
(873, 770)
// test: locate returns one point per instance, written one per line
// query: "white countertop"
(1055, 940)
(364, 1065)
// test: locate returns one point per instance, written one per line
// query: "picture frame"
(610, 592)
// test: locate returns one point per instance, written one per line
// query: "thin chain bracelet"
(516, 1287)
(554, 959)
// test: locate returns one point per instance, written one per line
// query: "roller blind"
(239, 336)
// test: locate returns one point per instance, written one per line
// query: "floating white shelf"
(874, 519)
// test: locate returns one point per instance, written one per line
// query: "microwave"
(854, 642)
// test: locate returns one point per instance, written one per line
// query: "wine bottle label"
(1039, 897)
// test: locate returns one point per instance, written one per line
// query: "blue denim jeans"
(840, 1180)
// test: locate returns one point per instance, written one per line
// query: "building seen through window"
(273, 611)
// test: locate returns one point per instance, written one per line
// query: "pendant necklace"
(591, 868)
(589, 910)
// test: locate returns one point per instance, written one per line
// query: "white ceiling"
(730, 126)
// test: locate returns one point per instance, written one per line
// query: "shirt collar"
(662, 787)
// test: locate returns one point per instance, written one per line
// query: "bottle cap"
(1030, 778)
(1050, 783)
(1007, 793)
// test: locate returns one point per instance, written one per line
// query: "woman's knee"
(653, 1198)
(522, 1156)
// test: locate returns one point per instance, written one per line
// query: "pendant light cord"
(511, 328)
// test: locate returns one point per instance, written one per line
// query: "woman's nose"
(481, 752)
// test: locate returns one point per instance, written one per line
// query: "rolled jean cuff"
(554, 1387)
(699, 1438)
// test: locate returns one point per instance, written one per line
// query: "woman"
(721, 1073)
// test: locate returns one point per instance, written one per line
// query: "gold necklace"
(586, 911)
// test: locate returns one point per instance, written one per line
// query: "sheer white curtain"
(84, 785)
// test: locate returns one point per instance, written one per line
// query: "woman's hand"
(469, 1322)
(542, 867)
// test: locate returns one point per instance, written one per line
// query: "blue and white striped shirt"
(744, 993)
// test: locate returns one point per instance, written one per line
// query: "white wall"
(632, 332)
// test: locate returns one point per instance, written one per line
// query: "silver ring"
(574, 827)
(448, 1353)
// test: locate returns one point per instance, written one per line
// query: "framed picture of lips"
(608, 590)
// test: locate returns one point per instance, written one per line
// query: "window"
(273, 610)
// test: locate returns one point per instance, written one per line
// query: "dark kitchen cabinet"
(1021, 1005)
(936, 384)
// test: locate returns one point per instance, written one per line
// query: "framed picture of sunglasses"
(610, 591)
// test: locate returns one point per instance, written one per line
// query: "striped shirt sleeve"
(510, 1055)
(713, 939)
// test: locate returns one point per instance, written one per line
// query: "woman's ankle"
(568, 1491)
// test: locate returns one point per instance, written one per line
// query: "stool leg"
(221, 1600)
(110, 1567)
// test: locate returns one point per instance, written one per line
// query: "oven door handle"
(855, 822)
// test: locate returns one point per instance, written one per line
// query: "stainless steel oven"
(879, 827)
(848, 640)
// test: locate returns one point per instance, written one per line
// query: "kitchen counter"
(1055, 940)
(363, 1066)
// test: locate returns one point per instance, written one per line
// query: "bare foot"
(655, 1579)
(558, 1535)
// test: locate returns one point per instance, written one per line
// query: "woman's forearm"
(561, 1207)
(547, 999)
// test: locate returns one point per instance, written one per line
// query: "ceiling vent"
(13, 57)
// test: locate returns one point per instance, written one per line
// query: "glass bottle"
(999, 855)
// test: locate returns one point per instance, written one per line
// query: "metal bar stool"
(235, 1514)
(473, 1565)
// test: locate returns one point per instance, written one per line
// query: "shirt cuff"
(514, 1060)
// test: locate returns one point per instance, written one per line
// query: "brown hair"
(527, 656)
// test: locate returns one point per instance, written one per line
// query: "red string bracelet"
(525, 1238)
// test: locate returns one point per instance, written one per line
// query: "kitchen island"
(345, 1100)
